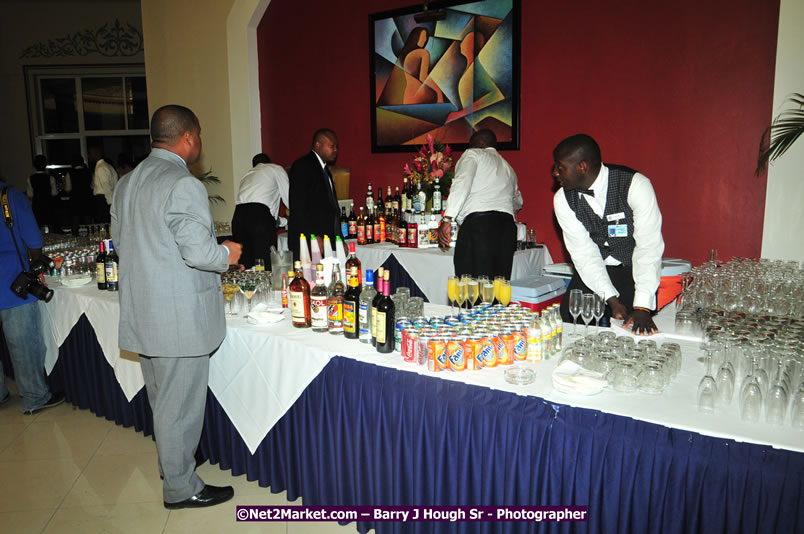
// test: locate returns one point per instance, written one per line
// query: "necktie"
(589, 192)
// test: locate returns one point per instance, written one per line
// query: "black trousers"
(621, 277)
(101, 209)
(254, 227)
(486, 245)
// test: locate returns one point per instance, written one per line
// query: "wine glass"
(776, 407)
(587, 310)
(487, 292)
(599, 308)
(473, 292)
(498, 280)
(707, 389)
(751, 405)
(249, 288)
(575, 304)
(452, 291)
(460, 292)
(229, 291)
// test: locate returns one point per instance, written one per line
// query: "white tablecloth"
(430, 267)
(260, 371)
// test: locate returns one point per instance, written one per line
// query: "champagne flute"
(487, 292)
(587, 310)
(452, 292)
(498, 280)
(575, 304)
(460, 293)
(707, 389)
(473, 290)
(505, 292)
(599, 309)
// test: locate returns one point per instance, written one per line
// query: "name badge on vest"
(618, 230)
(615, 217)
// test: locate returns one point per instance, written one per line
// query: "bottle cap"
(312, 237)
(352, 248)
(338, 239)
(369, 277)
(297, 264)
(319, 267)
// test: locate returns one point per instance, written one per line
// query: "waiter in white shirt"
(483, 199)
(256, 215)
(612, 229)
(104, 180)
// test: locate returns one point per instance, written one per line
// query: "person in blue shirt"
(20, 317)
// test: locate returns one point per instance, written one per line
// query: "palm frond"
(787, 127)
(207, 178)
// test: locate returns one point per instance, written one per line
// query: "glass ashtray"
(520, 375)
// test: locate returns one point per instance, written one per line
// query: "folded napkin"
(572, 379)
(264, 314)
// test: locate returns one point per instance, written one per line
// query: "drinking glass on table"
(707, 389)
(452, 291)
(249, 288)
(599, 308)
(473, 292)
(575, 304)
(460, 293)
(498, 280)
(587, 310)
(486, 290)
(504, 296)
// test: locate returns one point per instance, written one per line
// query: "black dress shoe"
(209, 496)
(55, 400)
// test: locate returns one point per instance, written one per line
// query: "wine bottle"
(335, 303)
(351, 302)
(369, 199)
(352, 261)
(364, 316)
(396, 200)
(100, 267)
(389, 202)
(352, 222)
(361, 228)
(377, 226)
(379, 206)
(403, 201)
(370, 228)
(344, 223)
(403, 231)
(299, 298)
(374, 302)
(318, 301)
(111, 266)
(386, 323)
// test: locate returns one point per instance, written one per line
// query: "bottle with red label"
(352, 261)
(318, 301)
(351, 304)
(386, 322)
(335, 303)
(361, 228)
(299, 290)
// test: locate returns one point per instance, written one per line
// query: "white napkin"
(264, 314)
(572, 379)
(617, 328)
(521, 231)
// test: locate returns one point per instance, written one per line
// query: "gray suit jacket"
(170, 293)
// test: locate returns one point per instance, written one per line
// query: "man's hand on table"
(641, 322)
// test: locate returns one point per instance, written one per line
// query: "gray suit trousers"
(177, 393)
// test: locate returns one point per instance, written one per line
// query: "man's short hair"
(322, 132)
(262, 157)
(580, 146)
(170, 122)
(483, 138)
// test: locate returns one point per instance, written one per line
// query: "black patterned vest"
(620, 248)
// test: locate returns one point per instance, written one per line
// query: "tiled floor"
(65, 470)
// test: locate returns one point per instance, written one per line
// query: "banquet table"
(428, 268)
(331, 421)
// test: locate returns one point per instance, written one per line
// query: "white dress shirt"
(483, 181)
(103, 180)
(647, 257)
(265, 184)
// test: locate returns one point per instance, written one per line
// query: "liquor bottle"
(285, 288)
(344, 223)
(370, 228)
(100, 267)
(352, 222)
(299, 291)
(413, 232)
(389, 201)
(422, 198)
(403, 231)
(379, 206)
(397, 198)
(335, 303)
(437, 199)
(423, 232)
(403, 199)
(535, 344)
(369, 199)
(386, 322)
(379, 228)
(558, 336)
(433, 229)
(318, 301)
(351, 303)
(416, 199)
(547, 336)
(352, 261)
(364, 315)
(378, 282)
(315, 253)
(391, 227)
(361, 228)
(111, 265)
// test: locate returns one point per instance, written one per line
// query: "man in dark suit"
(314, 207)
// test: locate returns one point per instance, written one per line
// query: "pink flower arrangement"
(431, 165)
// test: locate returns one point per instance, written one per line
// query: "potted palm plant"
(782, 133)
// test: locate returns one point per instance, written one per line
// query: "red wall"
(679, 91)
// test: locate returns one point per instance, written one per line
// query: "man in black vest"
(612, 229)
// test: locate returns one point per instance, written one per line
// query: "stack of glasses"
(243, 290)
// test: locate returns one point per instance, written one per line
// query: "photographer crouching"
(21, 285)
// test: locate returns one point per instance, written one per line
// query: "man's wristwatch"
(446, 219)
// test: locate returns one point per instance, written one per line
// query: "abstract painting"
(447, 78)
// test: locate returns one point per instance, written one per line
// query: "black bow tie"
(589, 192)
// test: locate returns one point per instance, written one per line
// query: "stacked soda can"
(485, 337)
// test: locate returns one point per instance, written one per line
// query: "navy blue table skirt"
(361, 434)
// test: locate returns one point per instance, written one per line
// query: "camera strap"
(9, 220)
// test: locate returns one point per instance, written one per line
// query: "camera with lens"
(27, 282)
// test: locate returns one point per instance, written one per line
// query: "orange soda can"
(487, 351)
(455, 354)
(437, 354)
(520, 344)
(505, 347)
(471, 349)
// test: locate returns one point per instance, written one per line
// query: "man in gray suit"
(171, 306)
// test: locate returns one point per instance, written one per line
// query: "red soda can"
(409, 345)
(455, 354)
